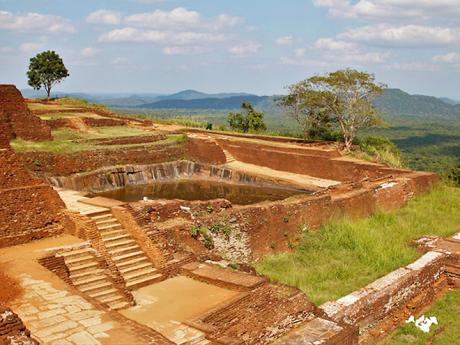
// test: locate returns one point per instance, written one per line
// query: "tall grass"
(345, 255)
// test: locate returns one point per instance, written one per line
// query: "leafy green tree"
(308, 108)
(248, 120)
(46, 70)
(345, 97)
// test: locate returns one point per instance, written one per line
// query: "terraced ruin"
(145, 266)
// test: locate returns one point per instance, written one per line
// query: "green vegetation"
(342, 99)
(46, 69)
(249, 120)
(447, 332)
(380, 149)
(51, 116)
(345, 255)
(78, 102)
(68, 141)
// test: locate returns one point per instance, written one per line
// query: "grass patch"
(345, 255)
(447, 332)
(51, 106)
(64, 140)
(52, 116)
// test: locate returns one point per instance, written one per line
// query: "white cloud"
(126, 35)
(181, 50)
(299, 52)
(28, 47)
(447, 58)
(104, 17)
(224, 21)
(413, 66)
(120, 61)
(35, 22)
(285, 40)
(245, 49)
(405, 36)
(178, 17)
(390, 9)
(332, 44)
(89, 52)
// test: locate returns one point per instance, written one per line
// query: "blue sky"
(257, 46)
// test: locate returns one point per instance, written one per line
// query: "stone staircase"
(228, 156)
(88, 276)
(134, 265)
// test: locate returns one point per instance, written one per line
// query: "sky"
(256, 46)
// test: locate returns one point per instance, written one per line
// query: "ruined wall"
(387, 302)
(204, 151)
(56, 164)
(13, 330)
(18, 120)
(303, 162)
(274, 227)
(29, 208)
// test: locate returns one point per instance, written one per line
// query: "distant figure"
(209, 126)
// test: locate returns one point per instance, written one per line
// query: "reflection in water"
(200, 190)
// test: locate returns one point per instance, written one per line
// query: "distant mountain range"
(393, 102)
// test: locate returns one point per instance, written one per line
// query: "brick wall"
(13, 330)
(29, 208)
(14, 111)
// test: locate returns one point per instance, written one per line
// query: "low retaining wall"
(89, 121)
(387, 302)
(317, 165)
(56, 164)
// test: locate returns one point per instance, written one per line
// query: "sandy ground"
(164, 306)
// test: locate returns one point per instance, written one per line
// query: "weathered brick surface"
(13, 330)
(388, 301)
(29, 208)
(56, 164)
(15, 114)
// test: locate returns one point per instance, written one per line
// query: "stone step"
(103, 293)
(140, 266)
(112, 298)
(108, 221)
(117, 243)
(76, 268)
(89, 278)
(123, 249)
(79, 260)
(127, 256)
(115, 237)
(132, 283)
(138, 273)
(129, 263)
(94, 287)
(102, 214)
(116, 305)
(76, 253)
(114, 226)
(86, 274)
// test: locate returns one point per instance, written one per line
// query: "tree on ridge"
(46, 69)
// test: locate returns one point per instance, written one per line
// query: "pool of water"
(200, 190)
